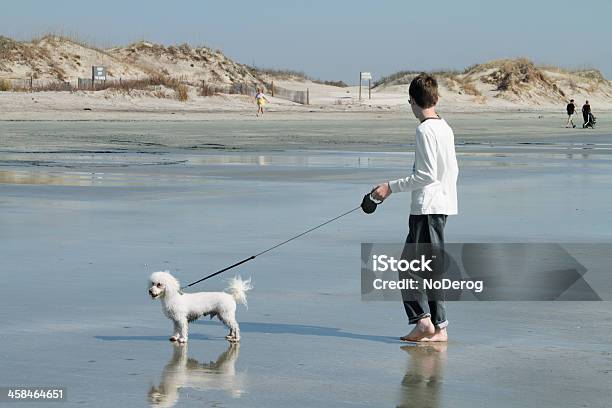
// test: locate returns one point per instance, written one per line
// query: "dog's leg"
(176, 334)
(183, 331)
(229, 320)
(231, 333)
(237, 333)
(234, 329)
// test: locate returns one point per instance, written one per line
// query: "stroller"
(590, 123)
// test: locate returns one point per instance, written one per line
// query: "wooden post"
(369, 89)
(307, 96)
(272, 88)
(31, 82)
(359, 85)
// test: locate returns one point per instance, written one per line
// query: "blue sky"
(335, 39)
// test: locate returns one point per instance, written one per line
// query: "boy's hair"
(424, 90)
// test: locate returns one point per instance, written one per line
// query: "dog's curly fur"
(183, 308)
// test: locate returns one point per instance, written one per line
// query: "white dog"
(183, 308)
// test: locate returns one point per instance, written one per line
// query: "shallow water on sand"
(81, 229)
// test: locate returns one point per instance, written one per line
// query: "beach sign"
(365, 76)
(98, 73)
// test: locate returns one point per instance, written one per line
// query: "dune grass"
(5, 86)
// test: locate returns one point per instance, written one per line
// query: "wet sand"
(88, 209)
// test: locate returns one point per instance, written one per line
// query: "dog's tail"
(238, 289)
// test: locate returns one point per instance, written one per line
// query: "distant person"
(586, 111)
(433, 185)
(261, 100)
(571, 110)
(589, 118)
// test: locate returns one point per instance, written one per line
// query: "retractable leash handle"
(369, 203)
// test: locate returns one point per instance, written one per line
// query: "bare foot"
(439, 336)
(423, 329)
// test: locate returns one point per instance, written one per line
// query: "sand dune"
(516, 84)
(58, 58)
(513, 84)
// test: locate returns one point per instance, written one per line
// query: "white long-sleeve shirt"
(433, 181)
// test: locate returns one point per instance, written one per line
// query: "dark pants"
(425, 229)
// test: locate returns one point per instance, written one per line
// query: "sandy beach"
(326, 102)
(119, 198)
(130, 144)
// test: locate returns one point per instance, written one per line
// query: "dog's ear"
(171, 281)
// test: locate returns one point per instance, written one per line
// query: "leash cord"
(272, 248)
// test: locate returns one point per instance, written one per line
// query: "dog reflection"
(422, 384)
(184, 372)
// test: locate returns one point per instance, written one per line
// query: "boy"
(433, 184)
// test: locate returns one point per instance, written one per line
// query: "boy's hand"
(381, 192)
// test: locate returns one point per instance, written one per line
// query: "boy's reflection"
(422, 384)
(184, 372)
